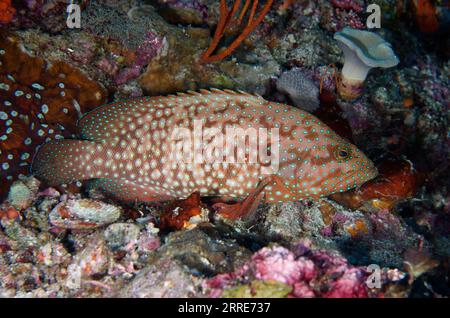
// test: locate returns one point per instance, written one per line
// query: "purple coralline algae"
(150, 47)
(49, 15)
(356, 6)
(310, 273)
(342, 13)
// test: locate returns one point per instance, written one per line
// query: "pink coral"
(279, 264)
(310, 273)
(302, 290)
(149, 49)
(347, 5)
(127, 74)
(349, 285)
(349, 19)
(343, 13)
(148, 239)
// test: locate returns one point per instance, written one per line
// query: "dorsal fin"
(193, 93)
(217, 91)
(111, 120)
(229, 91)
(205, 91)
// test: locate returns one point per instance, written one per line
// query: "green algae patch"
(258, 289)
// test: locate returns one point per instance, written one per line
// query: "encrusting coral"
(39, 101)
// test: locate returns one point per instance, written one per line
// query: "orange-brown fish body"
(138, 150)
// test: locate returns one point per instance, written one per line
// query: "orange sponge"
(6, 11)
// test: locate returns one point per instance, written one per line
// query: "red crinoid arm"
(244, 11)
(219, 29)
(252, 13)
(251, 25)
(236, 6)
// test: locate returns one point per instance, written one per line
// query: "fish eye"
(342, 153)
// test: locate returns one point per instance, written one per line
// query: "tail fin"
(63, 161)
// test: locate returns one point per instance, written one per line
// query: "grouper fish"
(160, 148)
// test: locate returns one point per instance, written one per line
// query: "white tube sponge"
(363, 50)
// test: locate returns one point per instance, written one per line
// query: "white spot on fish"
(37, 86)
(4, 86)
(44, 108)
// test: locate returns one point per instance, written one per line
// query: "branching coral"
(227, 19)
(38, 100)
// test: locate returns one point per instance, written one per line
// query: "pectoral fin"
(271, 188)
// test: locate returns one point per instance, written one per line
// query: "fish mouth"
(372, 174)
